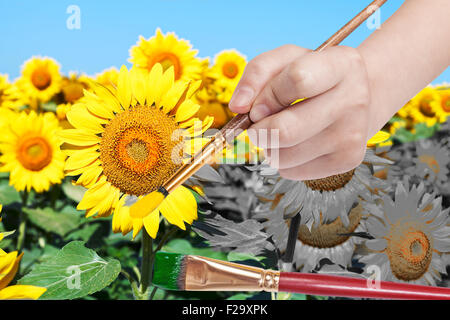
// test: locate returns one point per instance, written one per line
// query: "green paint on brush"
(167, 269)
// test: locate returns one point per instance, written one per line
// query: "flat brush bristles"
(169, 271)
(148, 203)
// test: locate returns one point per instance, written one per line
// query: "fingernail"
(258, 112)
(242, 97)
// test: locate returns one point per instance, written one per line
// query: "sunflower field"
(76, 151)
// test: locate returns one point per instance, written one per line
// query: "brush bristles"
(147, 204)
(170, 271)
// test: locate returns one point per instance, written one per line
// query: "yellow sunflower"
(229, 65)
(72, 87)
(9, 264)
(444, 105)
(169, 51)
(40, 80)
(128, 140)
(10, 96)
(424, 107)
(31, 151)
(381, 139)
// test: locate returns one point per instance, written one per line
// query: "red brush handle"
(337, 286)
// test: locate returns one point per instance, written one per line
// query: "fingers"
(308, 76)
(349, 99)
(319, 145)
(299, 122)
(342, 135)
(258, 72)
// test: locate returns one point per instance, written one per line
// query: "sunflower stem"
(147, 264)
(23, 221)
(292, 239)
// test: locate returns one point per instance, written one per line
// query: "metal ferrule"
(205, 274)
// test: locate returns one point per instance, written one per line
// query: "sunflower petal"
(124, 87)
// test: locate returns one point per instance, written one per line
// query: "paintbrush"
(232, 129)
(173, 271)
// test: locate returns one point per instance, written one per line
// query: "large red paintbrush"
(193, 273)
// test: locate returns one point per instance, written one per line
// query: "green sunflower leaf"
(74, 193)
(50, 220)
(184, 246)
(8, 194)
(73, 272)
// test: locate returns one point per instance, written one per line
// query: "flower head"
(410, 236)
(31, 152)
(40, 80)
(169, 51)
(128, 140)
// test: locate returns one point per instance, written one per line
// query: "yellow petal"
(79, 137)
(21, 292)
(9, 264)
(193, 87)
(82, 158)
(154, 78)
(137, 226)
(138, 84)
(186, 110)
(124, 87)
(379, 137)
(178, 206)
(174, 95)
(81, 118)
(166, 83)
(97, 106)
(107, 96)
(151, 223)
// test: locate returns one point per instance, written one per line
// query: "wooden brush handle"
(337, 286)
(242, 121)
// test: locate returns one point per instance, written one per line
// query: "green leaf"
(74, 193)
(74, 272)
(240, 256)
(85, 233)
(240, 296)
(48, 219)
(184, 246)
(8, 194)
(49, 106)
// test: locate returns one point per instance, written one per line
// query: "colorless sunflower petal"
(377, 244)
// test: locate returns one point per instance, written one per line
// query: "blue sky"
(110, 28)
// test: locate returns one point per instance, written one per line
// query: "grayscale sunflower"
(331, 240)
(323, 200)
(410, 236)
(431, 166)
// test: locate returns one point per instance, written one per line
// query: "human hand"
(321, 136)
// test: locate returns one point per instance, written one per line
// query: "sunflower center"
(445, 103)
(230, 70)
(409, 251)
(329, 235)
(34, 153)
(167, 59)
(425, 107)
(41, 79)
(431, 162)
(331, 183)
(139, 150)
(72, 92)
